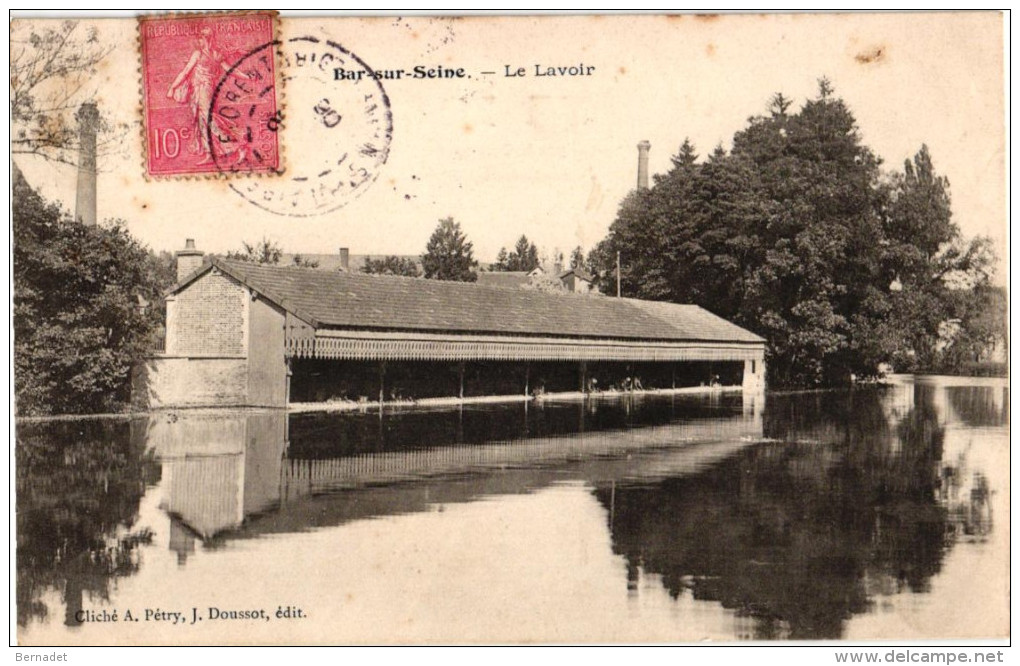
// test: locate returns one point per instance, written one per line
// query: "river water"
(877, 513)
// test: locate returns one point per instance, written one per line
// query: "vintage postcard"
(335, 330)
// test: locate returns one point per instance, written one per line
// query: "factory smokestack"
(85, 200)
(642, 164)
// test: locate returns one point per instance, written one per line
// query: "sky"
(552, 157)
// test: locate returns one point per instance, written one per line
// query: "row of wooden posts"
(583, 372)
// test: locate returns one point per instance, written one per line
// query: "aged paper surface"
(511, 125)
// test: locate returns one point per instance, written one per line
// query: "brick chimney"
(188, 260)
(642, 164)
(85, 199)
(345, 259)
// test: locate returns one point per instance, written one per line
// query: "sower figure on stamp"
(196, 85)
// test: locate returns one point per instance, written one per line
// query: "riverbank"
(353, 406)
(350, 405)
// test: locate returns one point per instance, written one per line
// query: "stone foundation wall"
(190, 382)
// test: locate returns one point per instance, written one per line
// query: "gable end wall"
(209, 317)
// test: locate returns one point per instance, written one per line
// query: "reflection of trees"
(78, 488)
(798, 535)
(979, 405)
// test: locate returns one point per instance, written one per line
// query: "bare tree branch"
(51, 69)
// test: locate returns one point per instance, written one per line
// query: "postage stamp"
(210, 94)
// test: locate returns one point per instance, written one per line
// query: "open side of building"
(241, 334)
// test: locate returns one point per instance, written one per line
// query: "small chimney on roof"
(85, 198)
(345, 259)
(642, 164)
(188, 260)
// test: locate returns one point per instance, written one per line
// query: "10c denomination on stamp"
(209, 94)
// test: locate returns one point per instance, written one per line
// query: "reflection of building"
(219, 471)
(247, 334)
(216, 470)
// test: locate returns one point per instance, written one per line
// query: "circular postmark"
(337, 129)
(243, 118)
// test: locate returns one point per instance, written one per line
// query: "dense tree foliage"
(263, 251)
(524, 257)
(449, 255)
(799, 235)
(392, 265)
(82, 308)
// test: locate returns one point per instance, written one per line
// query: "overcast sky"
(552, 157)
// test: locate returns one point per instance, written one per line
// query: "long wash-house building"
(240, 334)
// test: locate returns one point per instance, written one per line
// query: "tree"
(448, 254)
(305, 263)
(50, 72)
(264, 251)
(931, 265)
(984, 329)
(577, 260)
(798, 235)
(547, 284)
(78, 322)
(524, 257)
(392, 265)
(686, 156)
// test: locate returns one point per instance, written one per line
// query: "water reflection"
(78, 489)
(799, 536)
(219, 471)
(789, 520)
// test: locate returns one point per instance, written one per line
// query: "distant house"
(573, 280)
(576, 280)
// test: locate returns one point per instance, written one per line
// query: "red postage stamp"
(209, 94)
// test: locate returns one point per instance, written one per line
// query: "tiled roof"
(329, 299)
(579, 272)
(695, 322)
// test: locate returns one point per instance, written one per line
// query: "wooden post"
(382, 383)
(290, 372)
(527, 377)
(584, 377)
(673, 368)
(460, 371)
